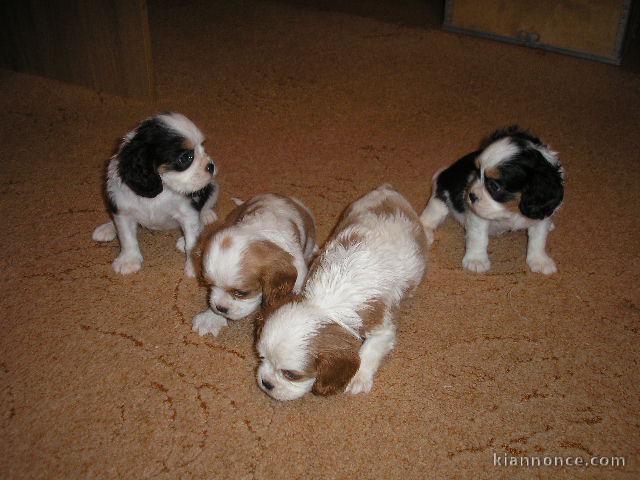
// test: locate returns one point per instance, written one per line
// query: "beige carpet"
(101, 376)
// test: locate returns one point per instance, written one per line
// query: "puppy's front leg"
(378, 344)
(476, 258)
(130, 258)
(191, 228)
(537, 257)
(207, 214)
(208, 322)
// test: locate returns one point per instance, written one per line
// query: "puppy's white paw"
(180, 244)
(542, 264)
(126, 264)
(104, 233)
(208, 216)
(476, 264)
(362, 382)
(189, 269)
(208, 322)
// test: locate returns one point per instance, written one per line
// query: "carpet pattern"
(101, 375)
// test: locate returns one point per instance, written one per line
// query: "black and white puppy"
(161, 178)
(513, 182)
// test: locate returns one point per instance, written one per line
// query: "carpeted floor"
(101, 376)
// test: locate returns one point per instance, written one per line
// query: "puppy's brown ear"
(334, 370)
(278, 278)
(258, 324)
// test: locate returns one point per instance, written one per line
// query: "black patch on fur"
(199, 198)
(453, 181)
(543, 189)
(152, 145)
(519, 136)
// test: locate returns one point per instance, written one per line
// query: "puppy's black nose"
(267, 385)
(211, 167)
(473, 197)
(222, 309)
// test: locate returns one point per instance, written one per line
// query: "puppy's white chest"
(514, 222)
(159, 213)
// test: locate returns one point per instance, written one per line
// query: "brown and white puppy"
(260, 255)
(333, 337)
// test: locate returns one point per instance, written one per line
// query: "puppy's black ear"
(543, 190)
(138, 170)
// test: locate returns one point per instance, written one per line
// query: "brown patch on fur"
(391, 207)
(308, 223)
(226, 243)
(250, 207)
(350, 240)
(188, 144)
(334, 360)
(493, 173)
(514, 204)
(272, 268)
(233, 217)
(372, 315)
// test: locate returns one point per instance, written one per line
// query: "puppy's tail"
(237, 201)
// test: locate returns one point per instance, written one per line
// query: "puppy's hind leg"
(432, 216)
(435, 212)
(104, 233)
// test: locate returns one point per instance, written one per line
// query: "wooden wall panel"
(102, 44)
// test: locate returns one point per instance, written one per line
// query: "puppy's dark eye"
(291, 375)
(185, 159)
(239, 293)
(493, 185)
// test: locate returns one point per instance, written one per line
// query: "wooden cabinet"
(591, 29)
(102, 44)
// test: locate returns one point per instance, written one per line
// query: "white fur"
(383, 267)
(487, 217)
(168, 210)
(272, 223)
